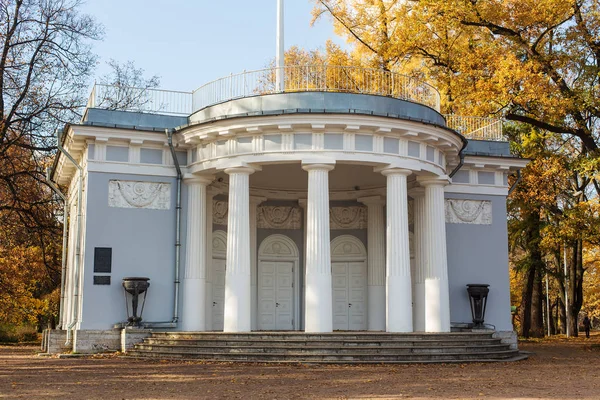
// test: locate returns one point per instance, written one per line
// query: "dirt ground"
(559, 369)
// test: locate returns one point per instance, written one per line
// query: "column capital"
(302, 203)
(372, 200)
(425, 181)
(318, 166)
(190, 179)
(240, 170)
(395, 171)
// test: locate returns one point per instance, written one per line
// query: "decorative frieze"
(353, 217)
(220, 213)
(279, 217)
(477, 212)
(134, 194)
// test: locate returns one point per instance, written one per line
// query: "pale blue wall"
(143, 243)
(479, 254)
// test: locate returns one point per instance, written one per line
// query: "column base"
(318, 304)
(237, 307)
(437, 307)
(419, 307)
(194, 305)
(399, 304)
(376, 311)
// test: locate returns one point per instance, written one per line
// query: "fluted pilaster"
(209, 267)
(376, 263)
(437, 302)
(237, 314)
(254, 202)
(418, 196)
(318, 296)
(399, 294)
(193, 316)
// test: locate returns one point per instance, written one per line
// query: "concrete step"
(336, 347)
(374, 336)
(324, 358)
(304, 342)
(178, 348)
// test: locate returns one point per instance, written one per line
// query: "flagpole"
(279, 58)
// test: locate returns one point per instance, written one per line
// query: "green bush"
(18, 334)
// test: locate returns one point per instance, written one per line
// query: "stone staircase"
(337, 347)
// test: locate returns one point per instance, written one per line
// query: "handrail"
(128, 98)
(477, 128)
(316, 78)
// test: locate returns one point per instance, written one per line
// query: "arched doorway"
(349, 280)
(278, 291)
(219, 252)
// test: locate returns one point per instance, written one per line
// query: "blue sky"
(188, 43)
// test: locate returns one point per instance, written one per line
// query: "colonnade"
(392, 305)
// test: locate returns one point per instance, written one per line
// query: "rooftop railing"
(126, 98)
(307, 78)
(477, 128)
(316, 78)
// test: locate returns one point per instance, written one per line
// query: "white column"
(399, 295)
(418, 195)
(254, 202)
(193, 313)
(237, 315)
(318, 295)
(376, 259)
(437, 301)
(209, 267)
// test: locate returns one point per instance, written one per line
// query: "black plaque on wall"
(101, 280)
(103, 259)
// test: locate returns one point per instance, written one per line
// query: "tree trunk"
(532, 320)
(537, 304)
(562, 318)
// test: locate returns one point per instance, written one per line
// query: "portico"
(346, 285)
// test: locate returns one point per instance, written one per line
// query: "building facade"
(306, 209)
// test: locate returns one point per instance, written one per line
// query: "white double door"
(276, 295)
(349, 295)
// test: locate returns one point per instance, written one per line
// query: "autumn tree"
(533, 62)
(45, 65)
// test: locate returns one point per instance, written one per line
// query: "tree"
(45, 64)
(532, 61)
(126, 88)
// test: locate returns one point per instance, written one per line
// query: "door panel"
(339, 272)
(349, 295)
(218, 294)
(357, 295)
(275, 295)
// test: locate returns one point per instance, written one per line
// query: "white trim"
(294, 258)
(115, 167)
(476, 189)
(496, 162)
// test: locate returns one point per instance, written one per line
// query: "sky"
(191, 42)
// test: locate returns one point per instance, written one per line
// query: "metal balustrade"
(126, 98)
(306, 78)
(316, 78)
(477, 128)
